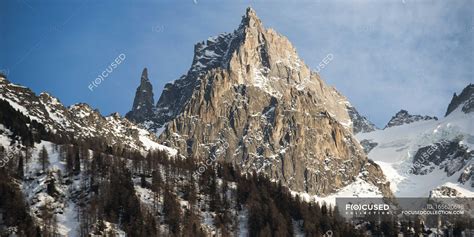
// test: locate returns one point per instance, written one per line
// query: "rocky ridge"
(79, 121)
(403, 117)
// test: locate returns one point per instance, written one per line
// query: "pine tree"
(69, 159)
(49, 219)
(77, 161)
(43, 158)
(172, 211)
(156, 186)
(51, 185)
(20, 171)
(27, 154)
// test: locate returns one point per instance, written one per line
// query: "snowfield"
(359, 188)
(396, 147)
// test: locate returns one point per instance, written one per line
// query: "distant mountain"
(423, 156)
(403, 117)
(248, 99)
(360, 124)
(465, 100)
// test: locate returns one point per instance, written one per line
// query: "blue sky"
(388, 55)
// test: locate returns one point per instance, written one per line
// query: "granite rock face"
(249, 100)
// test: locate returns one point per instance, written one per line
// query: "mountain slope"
(249, 100)
(63, 189)
(428, 157)
(78, 122)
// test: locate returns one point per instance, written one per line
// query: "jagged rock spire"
(250, 19)
(144, 101)
(144, 77)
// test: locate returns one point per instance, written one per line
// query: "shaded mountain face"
(143, 103)
(465, 100)
(403, 117)
(248, 99)
(360, 124)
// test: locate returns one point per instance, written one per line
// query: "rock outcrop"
(450, 156)
(368, 145)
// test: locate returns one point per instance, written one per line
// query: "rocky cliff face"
(465, 100)
(403, 117)
(248, 99)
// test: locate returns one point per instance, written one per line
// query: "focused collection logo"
(367, 209)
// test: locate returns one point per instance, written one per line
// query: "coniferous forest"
(118, 191)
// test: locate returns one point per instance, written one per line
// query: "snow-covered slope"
(359, 188)
(404, 150)
(79, 121)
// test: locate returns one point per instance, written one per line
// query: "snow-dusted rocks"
(368, 145)
(359, 122)
(451, 156)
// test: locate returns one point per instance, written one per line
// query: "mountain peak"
(253, 56)
(250, 19)
(144, 101)
(250, 11)
(144, 78)
(243, 101)
(403, 117)
(465, 99)
(402, 113)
